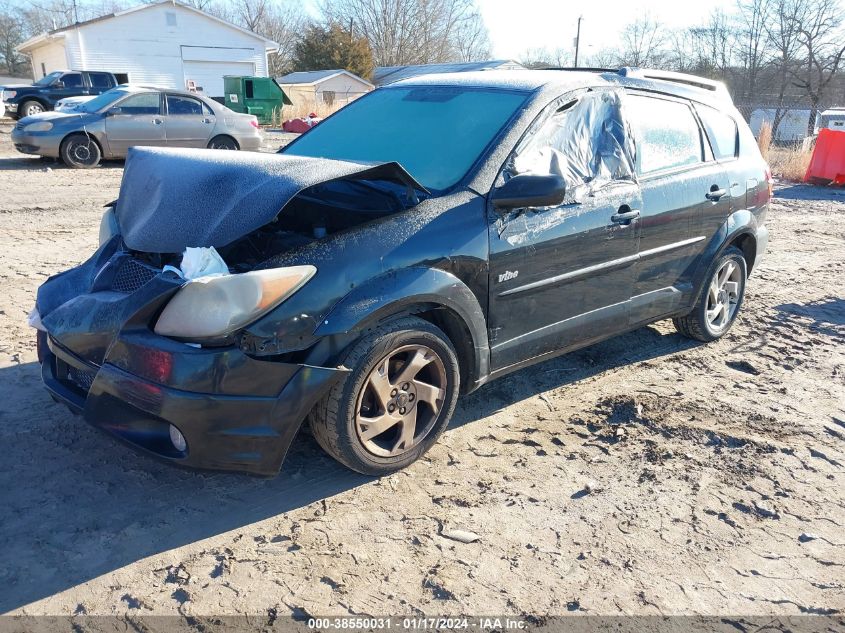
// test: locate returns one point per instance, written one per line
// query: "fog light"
(178, 439)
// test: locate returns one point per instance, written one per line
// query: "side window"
(207, 111)
(179, 105)
(100, 80)
(721, 130)
(583, 139)
(666, 133)
(72, 80)
(145, 103)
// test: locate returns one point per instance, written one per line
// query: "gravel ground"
(644, 475)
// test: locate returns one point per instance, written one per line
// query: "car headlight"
(9, 94)
(39, 126)
(211, 307)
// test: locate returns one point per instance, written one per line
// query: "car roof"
(557, 81)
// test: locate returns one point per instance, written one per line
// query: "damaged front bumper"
(247, 432)
(100, 358)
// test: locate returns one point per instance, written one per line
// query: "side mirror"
(58, 84)
(113, 111)
(530, 190)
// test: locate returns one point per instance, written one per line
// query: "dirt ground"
(645, 475)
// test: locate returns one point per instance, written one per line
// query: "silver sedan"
(109, 124)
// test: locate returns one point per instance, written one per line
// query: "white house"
(164, 44)
(792, 127)
(327, 88)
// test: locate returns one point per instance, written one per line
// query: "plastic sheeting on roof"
(174, 198)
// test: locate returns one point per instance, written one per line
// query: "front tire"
(30, 108)
(396, 401)
(721, 298)
(80, 151)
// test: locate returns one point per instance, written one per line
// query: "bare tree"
(472, 41)
(782, 35)
(411, 31)
(821, 40)
(545, 58)
(713, 45)
(642, 43)
(752, 16)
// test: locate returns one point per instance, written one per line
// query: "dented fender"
(405, 292)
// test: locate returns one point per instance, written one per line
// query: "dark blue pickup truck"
(21, 101)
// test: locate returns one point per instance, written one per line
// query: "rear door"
(136, 120)
(681, 185)
(562, 276)
(189, 122)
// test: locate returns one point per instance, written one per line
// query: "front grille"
(81, 378)
(132, 275)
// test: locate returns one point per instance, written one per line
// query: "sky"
(518, 26)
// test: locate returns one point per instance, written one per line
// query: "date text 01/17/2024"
(418, 623)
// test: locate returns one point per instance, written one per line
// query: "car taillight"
(254, 123)
(771, 181)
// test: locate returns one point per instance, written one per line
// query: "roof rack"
(695, 81)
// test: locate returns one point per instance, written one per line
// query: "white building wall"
(148, 45)
(52, 56)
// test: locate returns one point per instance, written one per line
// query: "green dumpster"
(259, 96)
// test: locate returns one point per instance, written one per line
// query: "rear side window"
(721, 130)
(100, 80)
(666, 133)
(183, 105)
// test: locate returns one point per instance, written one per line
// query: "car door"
(680, 184)
(189, 122)
(68, 85)
(135, 120)
(561, 277)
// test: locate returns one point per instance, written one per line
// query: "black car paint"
(51, 94)
(582, 277)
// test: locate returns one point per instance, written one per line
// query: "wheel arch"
(224, 135)
(93, 137)
(434, 295)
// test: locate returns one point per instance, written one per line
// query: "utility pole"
(578, 39)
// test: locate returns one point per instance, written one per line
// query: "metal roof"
(316, 76)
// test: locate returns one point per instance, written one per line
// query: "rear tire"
(720, 300)
(30, 108)
(223, 142)
(80, 151)
(395, 402)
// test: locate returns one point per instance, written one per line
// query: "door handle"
(625, 217)
(715, 193)
(206, 120)
(158, 121)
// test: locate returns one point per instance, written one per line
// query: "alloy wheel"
(33, 108)
(400, 400)
(723, 296)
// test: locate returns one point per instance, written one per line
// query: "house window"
(328, 97)
(170, 16)
(43, 70)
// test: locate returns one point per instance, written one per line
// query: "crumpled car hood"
(174, 198)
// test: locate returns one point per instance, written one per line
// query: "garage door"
(209, 75)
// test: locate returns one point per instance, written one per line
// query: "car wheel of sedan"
(720, 300)
(28, 108)
(223, 142)
(80, 151)
(396, 401)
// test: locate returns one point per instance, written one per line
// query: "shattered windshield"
(435, 132)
